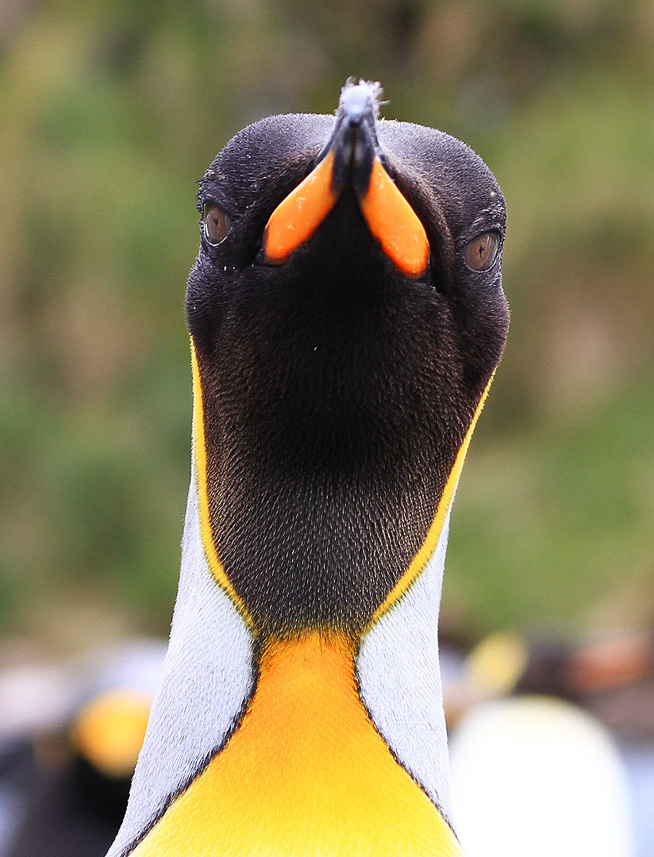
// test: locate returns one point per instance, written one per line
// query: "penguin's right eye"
(482, 252)
(215, 224)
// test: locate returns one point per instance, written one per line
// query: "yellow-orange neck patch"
(306, 773)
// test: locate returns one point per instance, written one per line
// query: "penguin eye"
(481, 253)
(215, 223)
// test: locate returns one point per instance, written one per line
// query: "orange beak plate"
(389, 216)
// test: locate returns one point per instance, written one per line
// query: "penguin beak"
(352, 154)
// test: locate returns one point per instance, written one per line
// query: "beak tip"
(359, 100)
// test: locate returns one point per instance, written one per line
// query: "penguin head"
(346, 313)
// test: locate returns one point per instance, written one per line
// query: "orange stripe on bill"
(394, 223)
(298, 216)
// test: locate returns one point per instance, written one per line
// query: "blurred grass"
(110, 113)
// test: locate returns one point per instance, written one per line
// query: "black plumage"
(337, 390)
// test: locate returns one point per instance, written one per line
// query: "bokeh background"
(110, 111)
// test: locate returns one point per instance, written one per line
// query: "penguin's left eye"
(215, 223)
(481, 253)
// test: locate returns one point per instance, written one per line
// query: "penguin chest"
(306, 773)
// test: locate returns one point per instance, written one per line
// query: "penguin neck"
(382, 682)
(390, 663)
(360, 705)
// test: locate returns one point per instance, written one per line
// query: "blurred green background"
(110, 110)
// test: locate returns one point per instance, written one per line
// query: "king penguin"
(346, 316)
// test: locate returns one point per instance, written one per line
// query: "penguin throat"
(295, 558)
